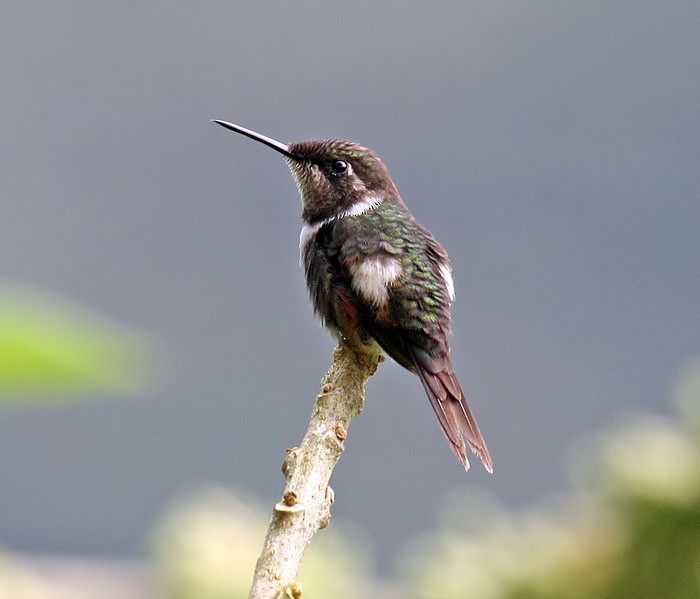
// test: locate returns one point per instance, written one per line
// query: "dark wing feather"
(413, 327)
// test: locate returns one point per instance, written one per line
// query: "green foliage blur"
(634, 532)
(51, 348)
(630, 528)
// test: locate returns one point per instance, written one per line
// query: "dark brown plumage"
(375, 275)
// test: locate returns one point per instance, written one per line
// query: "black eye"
(339, 167)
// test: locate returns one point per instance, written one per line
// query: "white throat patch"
(308, 231)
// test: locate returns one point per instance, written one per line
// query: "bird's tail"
(453, 412)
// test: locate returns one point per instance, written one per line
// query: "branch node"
(333, 443)
(293, 590)
(290, 498)
(289, 509)
(290, 503)
(341, 432)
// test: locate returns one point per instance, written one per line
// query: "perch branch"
(305, 506)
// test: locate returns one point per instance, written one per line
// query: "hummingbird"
(375, 275)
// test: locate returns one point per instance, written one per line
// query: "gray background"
(552, 147)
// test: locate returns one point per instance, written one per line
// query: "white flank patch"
(308, 231)
(446, 273)
(372, 277)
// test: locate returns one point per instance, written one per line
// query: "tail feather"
(454, 414)
(441, 386)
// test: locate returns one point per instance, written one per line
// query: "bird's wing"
(402, 283)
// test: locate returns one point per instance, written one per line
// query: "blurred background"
(155, 336)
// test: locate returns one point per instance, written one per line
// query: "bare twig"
(305, 506)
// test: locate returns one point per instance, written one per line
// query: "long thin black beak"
(268, 141)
